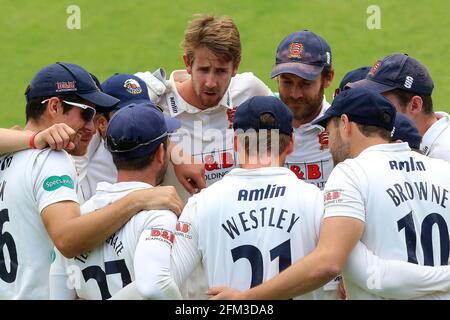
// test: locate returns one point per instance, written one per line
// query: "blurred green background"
(132, 35)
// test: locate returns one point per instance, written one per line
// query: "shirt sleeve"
(152, 258)
(342, 193)
(60, 286)
(394, 279)
(54, 178)
(185, 254)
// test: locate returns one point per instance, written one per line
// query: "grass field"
(132, 35)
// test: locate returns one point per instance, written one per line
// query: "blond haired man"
(204, 97)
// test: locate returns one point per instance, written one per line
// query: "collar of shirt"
(388, 147)
(258, 172)
(177, 105)
(94, 144)
(308, 126)
(434, 132)
(122, 186)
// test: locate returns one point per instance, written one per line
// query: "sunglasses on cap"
(125, 145)
(88, 112)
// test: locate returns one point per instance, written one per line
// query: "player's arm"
(73, 234)
(58, 136)
(393, 278)
(60, 288)
(338, 237)
(152, 259)
(186, 255)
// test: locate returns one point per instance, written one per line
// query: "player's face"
(85, 129)
(211, 76)
(303, 97)
(82, 140)
(339, 149)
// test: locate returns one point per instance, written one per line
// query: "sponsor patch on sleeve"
(332, 197)
(55, 182)
(161, 235)
(183, 230)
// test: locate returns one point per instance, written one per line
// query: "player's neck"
(360, 145)
(36, 126)
(425, 122)
(257, 162)
(146, 176)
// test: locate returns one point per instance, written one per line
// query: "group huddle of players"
(208, 184)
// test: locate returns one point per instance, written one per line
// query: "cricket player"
(204, 98)
(38, 201)
(303, 70)
(408, 85)
(205, 95)
(137, 137)
(388, 215)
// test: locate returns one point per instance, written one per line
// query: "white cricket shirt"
(138, 251)
(403, 198)
(30, 181)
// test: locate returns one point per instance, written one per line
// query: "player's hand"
(59, 136)
(156, 83)
(160, 198)
(224, 293)
(191, 176)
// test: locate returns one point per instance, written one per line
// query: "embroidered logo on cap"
(375, 68)
(295, 50)
(65, 86)
(132, 86)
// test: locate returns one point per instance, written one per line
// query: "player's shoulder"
(146, 217)
(50, 154)
(249, 81)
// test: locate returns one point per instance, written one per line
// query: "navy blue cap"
(353, 76)
(362, 106)
(406, 130)
(397, 71)
(131, 89)
(127, 88)
(66, 78)
(302, 53)
(137, 130)
(248, 113)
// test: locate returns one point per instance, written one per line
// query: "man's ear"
(160, 154)
(345, 125)
(187, 64)
(329, 79)
(54, 108)
(101, 124)
(415, 105)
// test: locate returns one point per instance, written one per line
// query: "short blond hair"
(218, 34)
